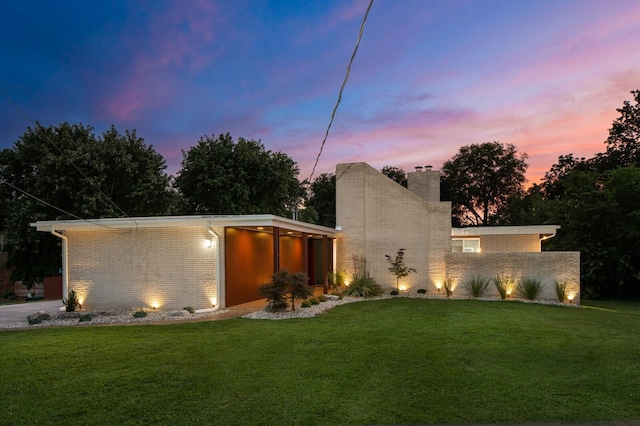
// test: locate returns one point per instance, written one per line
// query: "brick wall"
(379, 216)
(548, 266)
(168, 267)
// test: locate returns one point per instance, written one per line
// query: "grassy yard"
(390, 361)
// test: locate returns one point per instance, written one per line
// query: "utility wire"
(346, 77)
(51, 205)
(39, 127)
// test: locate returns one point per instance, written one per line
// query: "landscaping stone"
(38, 317)
(182, 313)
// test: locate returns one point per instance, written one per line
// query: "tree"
(481, 179)
(220, 176)
(299, 287)
(397, 266)
(68, 167)
(323, 199)
(396, 174)
(623, 143)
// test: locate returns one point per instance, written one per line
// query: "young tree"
(397, 266)
(220, 176)
(276, 291)
(480, 180)
(299, 288)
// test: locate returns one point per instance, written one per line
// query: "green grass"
(377, 362)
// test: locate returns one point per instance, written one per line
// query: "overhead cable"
(344, 82)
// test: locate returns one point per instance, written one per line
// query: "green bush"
(504, 284)
(305, 304)
(529, 288)
(561, 291)
(362, 284)
(422, 291)
(394, 292)
(188, 309)
(336, 279)
(476, 286)
(86, 318)
(140, 314)
(71, 302)
(322, 298)
(314, 301)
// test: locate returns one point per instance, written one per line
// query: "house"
(376, 216)
(207, 261)
(197, 261)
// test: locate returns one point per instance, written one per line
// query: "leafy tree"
(83, 175)
(220, 176)
(299, 287)
(481, 179)
(397, 266)
(323, 199)
(396, 174)
(623, 143)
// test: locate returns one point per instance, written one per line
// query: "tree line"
(66, 172)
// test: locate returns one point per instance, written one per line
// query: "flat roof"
(183, 222)
(478, 231)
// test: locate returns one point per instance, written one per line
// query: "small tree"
(276, 291)
(298, 287)
(397, 266)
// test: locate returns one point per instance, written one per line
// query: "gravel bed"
(59, 319)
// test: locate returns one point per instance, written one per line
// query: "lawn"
(389, 361)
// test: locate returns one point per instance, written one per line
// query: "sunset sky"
(429, 77)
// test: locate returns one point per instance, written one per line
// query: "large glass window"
(465, 245)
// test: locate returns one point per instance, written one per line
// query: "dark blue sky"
(429, 77)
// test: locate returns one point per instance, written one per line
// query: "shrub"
(139, 314)
(322, 298)
(276, 291)
(422, 291)
(561, 291)
(529, 288)
(448, 286)
(476, 286)
(504, 285)
(336, 279)
(71, 302)
(86, 317)
(314, 301)
(298, 287)
(188, 309)
(362, 284)
(9, 294)
(394, 292)
(305, 304)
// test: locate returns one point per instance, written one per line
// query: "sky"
(429, 76)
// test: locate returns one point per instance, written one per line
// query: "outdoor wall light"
(570, 297)
(438, 285)
(208, 243)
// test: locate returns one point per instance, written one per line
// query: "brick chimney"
(425, 184)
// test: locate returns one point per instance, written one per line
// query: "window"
(465, 245)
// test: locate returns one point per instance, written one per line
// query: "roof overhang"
(543, 231)
(266, 220)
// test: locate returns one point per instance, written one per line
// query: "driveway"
(18, 312)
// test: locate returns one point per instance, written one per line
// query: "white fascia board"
(182, 222)
(480, 231)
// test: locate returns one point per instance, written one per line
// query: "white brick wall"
(379, 216)
(167, 267)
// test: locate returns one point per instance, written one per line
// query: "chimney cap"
(418, 168)
(429, 167)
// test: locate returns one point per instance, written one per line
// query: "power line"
(346, 77)
(51, 205)
(39, 127)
